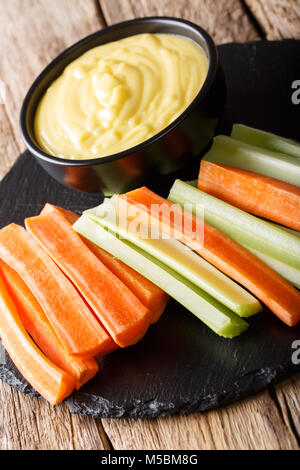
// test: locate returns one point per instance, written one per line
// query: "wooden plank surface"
(32, 33)
(31, 424)
(225, 20)
(287, 394)
(278, 18)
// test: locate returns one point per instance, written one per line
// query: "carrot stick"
(71, 216)
(218, 249)
(39, 328)
(252, 192)
(119, 310)
(50, 381)
(154, 298)
(71, 319)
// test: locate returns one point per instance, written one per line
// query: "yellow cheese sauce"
(118, 95)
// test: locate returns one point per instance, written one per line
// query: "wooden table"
(32, 33)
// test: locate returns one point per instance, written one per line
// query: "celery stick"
(287, 272)
(186, 262)
(232, 152)
(266, 140)
(242, 227)
(216, 316)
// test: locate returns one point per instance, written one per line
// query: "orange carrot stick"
(252, 192)
(218, 249)
(50, 381)
(119, 310)
(154, 298)
(71, 319)
(39, 328)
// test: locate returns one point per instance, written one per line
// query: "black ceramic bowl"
(162, 156)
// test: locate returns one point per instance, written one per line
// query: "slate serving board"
(180, 365)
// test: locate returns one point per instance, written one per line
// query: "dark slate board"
(180, 365)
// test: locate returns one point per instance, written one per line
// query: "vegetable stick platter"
(181, 365)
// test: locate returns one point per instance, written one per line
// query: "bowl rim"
(212, 70)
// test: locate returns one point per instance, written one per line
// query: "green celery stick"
(232, 152)
(242, 227)
(266, 140)
(215, 315)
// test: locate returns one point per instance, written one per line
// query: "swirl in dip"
(118, 95)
